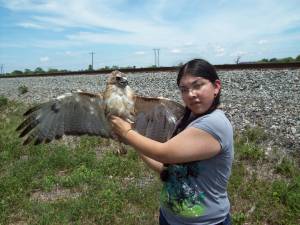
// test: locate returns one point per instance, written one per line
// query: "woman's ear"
(217, 85)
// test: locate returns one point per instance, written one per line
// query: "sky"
(63, 34)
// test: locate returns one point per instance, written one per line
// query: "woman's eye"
(197, 86)
(183, 89)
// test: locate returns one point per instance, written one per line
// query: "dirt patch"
(54, 195)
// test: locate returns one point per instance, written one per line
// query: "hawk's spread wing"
(71, 114)
(156, 118)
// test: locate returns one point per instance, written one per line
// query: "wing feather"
(71, 114)
(156, 118)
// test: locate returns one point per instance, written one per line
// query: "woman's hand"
(120, 126)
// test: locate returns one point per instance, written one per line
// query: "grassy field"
(82, 181)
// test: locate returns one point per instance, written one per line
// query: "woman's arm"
(189, 145)
(154, 165)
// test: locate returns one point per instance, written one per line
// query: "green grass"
(263, 190)
(59, 184)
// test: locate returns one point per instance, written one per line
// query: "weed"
(286, 167)
(238, 218)
(22, 89)
(255, 135)
(249, 152)
(3, 101)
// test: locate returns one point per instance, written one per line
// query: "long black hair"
(197, 68)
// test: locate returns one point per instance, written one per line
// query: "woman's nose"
(191, 93)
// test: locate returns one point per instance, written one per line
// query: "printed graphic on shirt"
(180, 194)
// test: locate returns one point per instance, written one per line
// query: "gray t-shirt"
(196, 192)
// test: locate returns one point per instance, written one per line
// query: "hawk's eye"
(118, 78)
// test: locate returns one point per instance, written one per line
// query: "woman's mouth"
(195, 103)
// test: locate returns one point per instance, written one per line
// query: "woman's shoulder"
(217, 117)
(214, 121)
(217, 124)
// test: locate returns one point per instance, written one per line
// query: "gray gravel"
(268, 98)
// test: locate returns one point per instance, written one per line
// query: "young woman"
(195, 164)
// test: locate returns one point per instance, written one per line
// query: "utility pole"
(156, 56)
(2, 70)
(92, 53)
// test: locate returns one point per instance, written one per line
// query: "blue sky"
(61, 34)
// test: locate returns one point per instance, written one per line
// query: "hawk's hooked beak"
(122, 81)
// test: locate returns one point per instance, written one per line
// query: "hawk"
(81, 113)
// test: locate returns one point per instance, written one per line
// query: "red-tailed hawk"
(82, 113)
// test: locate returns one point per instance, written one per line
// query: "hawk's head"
(117, 78)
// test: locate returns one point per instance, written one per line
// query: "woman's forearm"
(153, 149)
(153, 164)
(150, 148)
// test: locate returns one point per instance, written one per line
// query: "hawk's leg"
(121, 149)
(116, 146)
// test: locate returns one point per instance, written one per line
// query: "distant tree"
(39, 70)
(90, 68)
(237, 60)
(114, 67)
(51, 70)
(264, 60)
(128, 67)
(27, 71)
(282, 60)
(16, 72)
(286, 60)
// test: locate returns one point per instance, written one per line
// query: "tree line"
(281, 60)
(40, 70)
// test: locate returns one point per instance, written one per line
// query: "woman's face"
(198, 93)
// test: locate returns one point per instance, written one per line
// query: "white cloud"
(155, 25)
(30, 25)
(140, 53)
(188, 44)
(173, 26)
(261, 42)
(44, 59)
(175, 51)
(219, 51)
(73, 53)
(239, 53)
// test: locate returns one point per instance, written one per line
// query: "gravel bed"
(268, 98)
